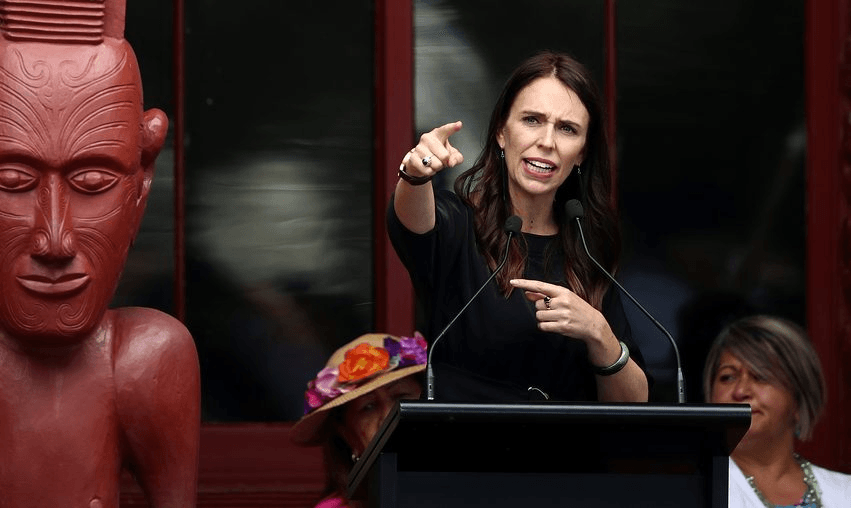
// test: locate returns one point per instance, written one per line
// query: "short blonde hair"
(779, 351)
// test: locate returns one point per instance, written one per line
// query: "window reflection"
(711, 139)
(279, 179)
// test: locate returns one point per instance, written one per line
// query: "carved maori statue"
(85, 391)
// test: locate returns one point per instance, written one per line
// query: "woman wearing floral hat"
(349, 399)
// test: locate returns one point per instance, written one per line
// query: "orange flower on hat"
(363, 361)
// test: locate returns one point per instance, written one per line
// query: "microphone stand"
(575, 210)
(512, 226)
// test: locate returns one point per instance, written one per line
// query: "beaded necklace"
(812, 497)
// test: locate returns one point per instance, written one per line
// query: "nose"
(53, 237)
(547, 139)
(742, 389)
(385, 406)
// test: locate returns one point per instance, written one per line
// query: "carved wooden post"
(84, 390)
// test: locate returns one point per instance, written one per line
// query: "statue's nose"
(53, 236)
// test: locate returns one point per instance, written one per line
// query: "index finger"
(536, 286)
(444, 131)
(533, 296)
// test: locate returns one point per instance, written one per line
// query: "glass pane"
(712, 145)
(279, 203)
(149, 271)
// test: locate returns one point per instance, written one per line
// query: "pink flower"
(321, 389)
(326, 382)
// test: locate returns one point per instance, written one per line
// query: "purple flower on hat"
(392, 346)
(414, 350)
(322, 389)
(326, 382)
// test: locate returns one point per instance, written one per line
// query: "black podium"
(429, 454)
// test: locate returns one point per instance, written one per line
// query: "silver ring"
(547, 300)
(426, 160)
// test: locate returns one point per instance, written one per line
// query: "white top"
(835, 489)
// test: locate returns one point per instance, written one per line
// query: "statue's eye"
(16, 180)
(93, 181)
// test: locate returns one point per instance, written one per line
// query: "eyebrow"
(105, 159)
(530, 112)
(74, 163)
(726, 366)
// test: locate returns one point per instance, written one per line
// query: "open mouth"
(539, 167)
(60, 286)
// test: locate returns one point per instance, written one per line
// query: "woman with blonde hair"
(769, 363)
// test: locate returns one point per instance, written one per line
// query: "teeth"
(540, 165)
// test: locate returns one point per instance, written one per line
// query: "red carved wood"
(86, 390)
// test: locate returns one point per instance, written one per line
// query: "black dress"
(494, 352)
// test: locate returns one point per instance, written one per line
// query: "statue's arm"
(158, 402)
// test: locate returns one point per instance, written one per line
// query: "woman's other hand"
(560, 310)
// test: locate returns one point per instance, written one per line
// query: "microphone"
(574, 211)
(512, 227)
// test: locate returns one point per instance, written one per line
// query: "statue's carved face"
(76, 160)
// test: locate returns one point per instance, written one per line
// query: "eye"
(531, 120)
(93, 181)
(364, 403)
(568, 128)
(16, 180)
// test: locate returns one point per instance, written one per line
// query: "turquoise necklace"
(811, 498)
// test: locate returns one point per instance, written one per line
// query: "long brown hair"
(484, 187)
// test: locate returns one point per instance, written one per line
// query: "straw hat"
(364, 364)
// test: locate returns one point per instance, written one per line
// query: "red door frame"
(179, 97)
(827, 88)
(394, 121)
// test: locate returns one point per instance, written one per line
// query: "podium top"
(546, 436)
(632, 412)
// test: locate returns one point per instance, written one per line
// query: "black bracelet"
(616, 367)
(411, 179)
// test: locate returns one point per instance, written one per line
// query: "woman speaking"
(548, 326)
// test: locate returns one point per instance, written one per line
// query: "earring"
(578, 170)
(504, 171)
(355, 458)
